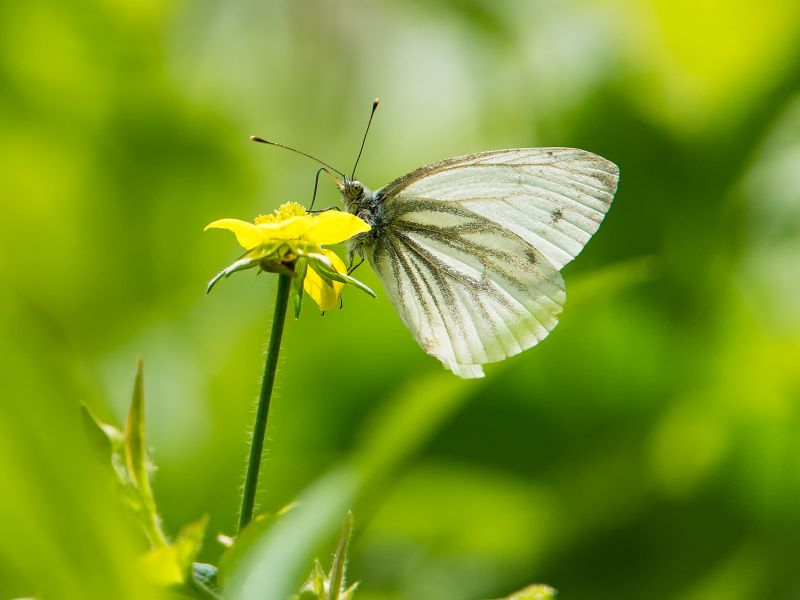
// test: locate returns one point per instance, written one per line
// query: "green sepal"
(276, 266)
(297, 289)
(239, 265)
(268, 256)
(322, 265)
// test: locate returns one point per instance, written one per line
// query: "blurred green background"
(649, 448)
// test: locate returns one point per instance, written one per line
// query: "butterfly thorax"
(366, 205)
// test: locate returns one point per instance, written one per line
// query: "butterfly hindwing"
(470, 291)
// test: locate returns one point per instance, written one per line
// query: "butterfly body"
(366, 205)
(469, 249)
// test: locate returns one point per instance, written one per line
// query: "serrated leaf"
(135, 443)
(339, 564)
(315, 584)
(331, 586)
(105, 437)
(348, 593)
(137, 460)
(318, 578)
(110, 440)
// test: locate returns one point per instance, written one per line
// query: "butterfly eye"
(355, 189)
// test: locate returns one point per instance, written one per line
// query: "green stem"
(260, 427)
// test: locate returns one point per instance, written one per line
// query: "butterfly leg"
(314, 195)
(353, 267)
(322, 210)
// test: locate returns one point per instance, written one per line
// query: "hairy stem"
(262, 413)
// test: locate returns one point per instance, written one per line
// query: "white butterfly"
(470, 249)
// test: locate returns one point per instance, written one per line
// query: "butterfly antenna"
(261, 140)
(364, 141)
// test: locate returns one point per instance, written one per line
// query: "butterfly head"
(360, 201)
(353, 193)
(352, 190)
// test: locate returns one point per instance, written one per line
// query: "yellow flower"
(290, 241)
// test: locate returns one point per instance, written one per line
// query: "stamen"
(282, 213)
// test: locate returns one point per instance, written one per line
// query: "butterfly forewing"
(471, 247)
(554, 198)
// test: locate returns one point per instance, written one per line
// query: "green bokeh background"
(649, 448)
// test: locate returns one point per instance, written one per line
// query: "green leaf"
(188, 543)
(106, 438)
(300, 269)
(331, 586)
(339, 565)
(348, 593)
(135, 448)
(314, 586)
(137, 461)
(322, 265)
(172, 564)
(318, 579)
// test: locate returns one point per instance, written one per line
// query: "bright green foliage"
(131, 462)
(167, 565)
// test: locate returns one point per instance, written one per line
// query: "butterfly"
(470, 249)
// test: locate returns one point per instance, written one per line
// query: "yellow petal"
(334, 227)
(250, 235)
(326, 296)
(294, 228)
(247, 234)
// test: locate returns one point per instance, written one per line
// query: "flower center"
(282, 213)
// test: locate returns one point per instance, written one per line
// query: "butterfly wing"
(554, 198)
(471, 247)
(470, 291)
